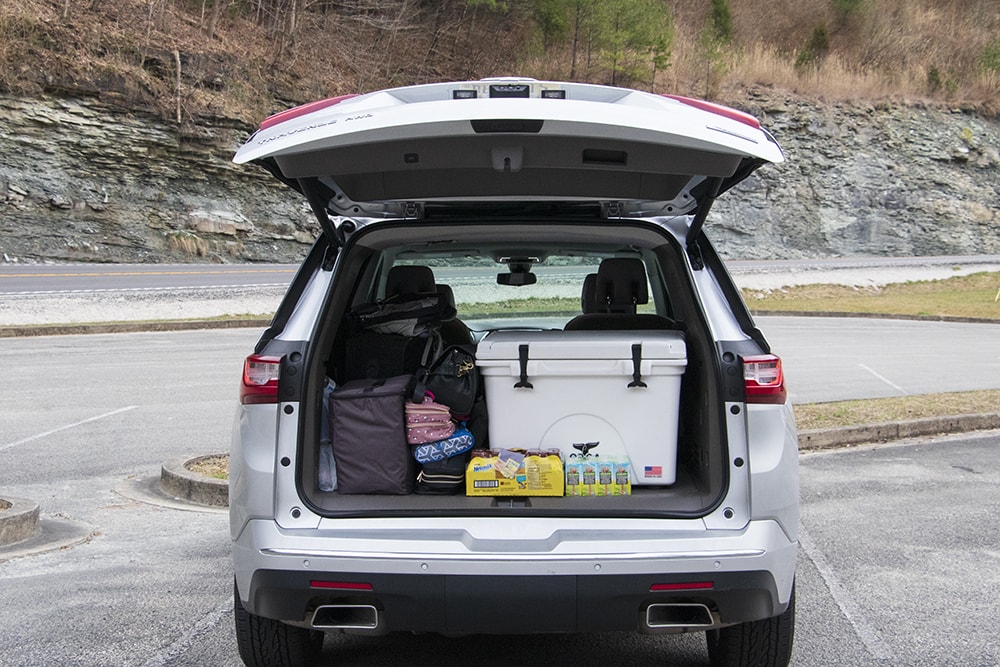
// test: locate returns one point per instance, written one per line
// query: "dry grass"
(188, 243)
(907, 50)
(216, 467)
(123, 51)
(895, 409)
(973, 296)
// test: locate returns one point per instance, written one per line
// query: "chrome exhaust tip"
(678, 615)
(345, 617)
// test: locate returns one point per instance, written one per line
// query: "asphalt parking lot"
(898, 564)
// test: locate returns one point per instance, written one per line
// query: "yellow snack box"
(493, 474)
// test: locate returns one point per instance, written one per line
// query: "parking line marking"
(44, 434)
(185, 641)
(886, 380)
(845, 601)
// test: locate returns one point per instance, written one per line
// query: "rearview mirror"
(517, 279)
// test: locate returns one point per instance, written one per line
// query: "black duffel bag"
(453, 378)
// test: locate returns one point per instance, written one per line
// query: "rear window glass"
(517, 291)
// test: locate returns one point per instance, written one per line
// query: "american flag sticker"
(652, 471)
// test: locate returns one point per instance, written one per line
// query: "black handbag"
(453, 378)
(442, 478)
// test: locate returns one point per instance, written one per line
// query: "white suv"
(552, 233)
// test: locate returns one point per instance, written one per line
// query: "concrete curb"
(192, 487)
(856, 435)
(18, 520)
(873, 316)
(18, 331)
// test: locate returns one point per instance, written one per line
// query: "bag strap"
(432, 349)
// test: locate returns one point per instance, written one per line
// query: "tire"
(265, 642)
(765, 643)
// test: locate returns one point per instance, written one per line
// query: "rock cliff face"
(866, 180)
(83, 182)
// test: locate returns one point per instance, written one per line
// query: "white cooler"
(619, 389)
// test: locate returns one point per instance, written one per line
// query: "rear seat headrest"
(447, 295)
(409, 280)
(621, 284)
(588, 295)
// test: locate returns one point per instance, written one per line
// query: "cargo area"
(590, 355)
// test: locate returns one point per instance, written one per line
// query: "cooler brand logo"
(652, 471)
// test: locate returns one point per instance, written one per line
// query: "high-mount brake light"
(302, 110)
(510, 90)
(764, 380)
(718, 109)
(260, 380)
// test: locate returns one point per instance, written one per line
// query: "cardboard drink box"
(514, 473)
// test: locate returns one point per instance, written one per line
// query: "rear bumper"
(515, 604)
(746, 576)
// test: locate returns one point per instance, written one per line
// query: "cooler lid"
(505, 345)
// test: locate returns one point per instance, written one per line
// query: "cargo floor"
(682, 497)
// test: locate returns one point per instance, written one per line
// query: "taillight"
(764, 379)
(260, 379)
(301, 110)
(719, 110)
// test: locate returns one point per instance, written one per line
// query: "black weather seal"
(313, 191)
(317, 254)
(694, 253)
(734, 298)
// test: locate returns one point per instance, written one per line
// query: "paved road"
(833, 359)
(88, 278)
(19, 279)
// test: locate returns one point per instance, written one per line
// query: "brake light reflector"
(685, 586)
(719, 110)
(260, 379)
(764, 380)
(301, 110)
(342, 585)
